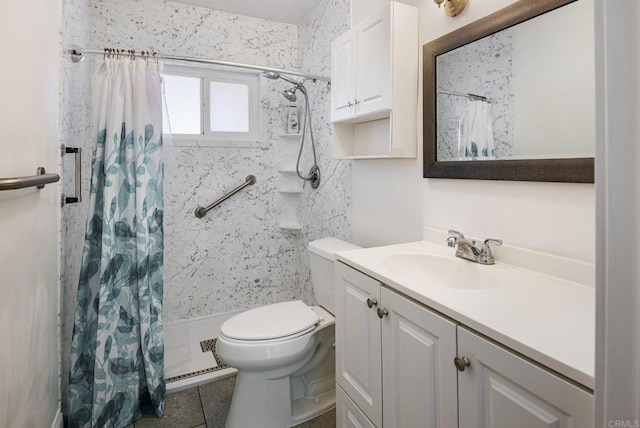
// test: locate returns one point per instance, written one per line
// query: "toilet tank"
(322, 257)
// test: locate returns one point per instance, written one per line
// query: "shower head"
(274, 75)
(290, 94)
(271, 75)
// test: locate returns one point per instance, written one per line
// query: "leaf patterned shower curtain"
(117, 350)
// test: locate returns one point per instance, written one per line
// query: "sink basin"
(439, 271)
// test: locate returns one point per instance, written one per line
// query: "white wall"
(29, 218)
(386, 201)
(558, 218)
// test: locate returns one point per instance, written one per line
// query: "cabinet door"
(502, 390)
(343, 76)
(347, 413)
(419, 379)
(358, 355)
(373, 63)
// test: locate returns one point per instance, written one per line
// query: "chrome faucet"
(472, 250)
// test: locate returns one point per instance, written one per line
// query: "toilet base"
(266, 396)
(283, 402)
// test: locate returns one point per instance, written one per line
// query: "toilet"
(284, 352)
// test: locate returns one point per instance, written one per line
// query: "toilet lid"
(270, 322)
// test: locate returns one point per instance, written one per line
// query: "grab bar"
(77, 158)
(39, 180)
(202, 211)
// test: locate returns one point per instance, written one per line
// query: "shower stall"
(235, 257)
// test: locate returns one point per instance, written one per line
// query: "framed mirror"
(512, 96)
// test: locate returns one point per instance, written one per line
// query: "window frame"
(208, 137)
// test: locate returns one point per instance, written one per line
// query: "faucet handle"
(497, 242)
(485, 252)
(455, 233)
(453, 236)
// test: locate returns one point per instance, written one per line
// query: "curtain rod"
(77, 55)
(467, 95)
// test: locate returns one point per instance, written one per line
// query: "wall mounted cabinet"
(374, 95)
(395, 368)
(361, 85)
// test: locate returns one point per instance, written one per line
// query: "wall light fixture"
(452, 7)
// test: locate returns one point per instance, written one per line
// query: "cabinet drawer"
(348, 414)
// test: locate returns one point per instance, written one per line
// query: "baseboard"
(57, 421)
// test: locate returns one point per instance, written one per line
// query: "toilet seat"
(274, 322)
(271, 352)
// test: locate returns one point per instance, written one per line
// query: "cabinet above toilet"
(374, 74)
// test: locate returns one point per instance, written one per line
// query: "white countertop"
(548, 319)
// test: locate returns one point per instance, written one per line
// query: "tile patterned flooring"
(206, 406)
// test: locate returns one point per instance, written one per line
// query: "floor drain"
(206, 346)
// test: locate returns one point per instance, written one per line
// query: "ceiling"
(289, 11)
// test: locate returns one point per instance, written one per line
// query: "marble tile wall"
(326, 210)
(483, 68)
(236, 257)
(75, 107)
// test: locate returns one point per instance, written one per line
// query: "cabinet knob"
(371, 303)
(461, 363)
(356, 102)
(382, 313)
(349, 104)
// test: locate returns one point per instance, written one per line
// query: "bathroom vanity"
(427, 339)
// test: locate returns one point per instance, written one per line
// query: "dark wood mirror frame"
(573, 170)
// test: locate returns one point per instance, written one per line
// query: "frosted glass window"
(210, 107)
(184, 106)
(229, 107)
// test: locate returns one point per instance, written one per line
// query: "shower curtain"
(475, 132)
(117, 350)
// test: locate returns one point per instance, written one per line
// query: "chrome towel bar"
(202, 211)
(39, 180)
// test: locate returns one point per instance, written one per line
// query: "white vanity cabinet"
(374, 85)
(394, 357)
(395, 369)
(502, 390)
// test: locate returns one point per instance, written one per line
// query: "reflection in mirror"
(530, 114)
(526, 92)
